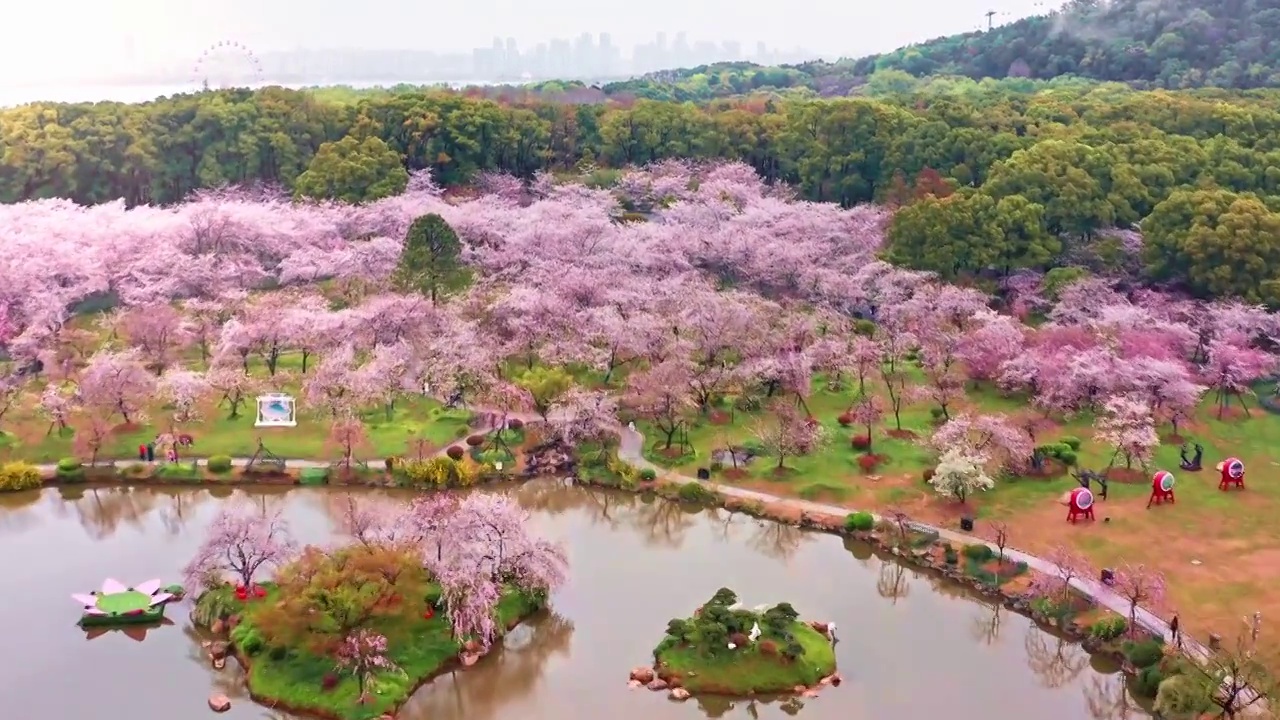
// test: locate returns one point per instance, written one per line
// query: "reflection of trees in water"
(861, 551)
(18, 511)
(665, 521)
(722, 520)
(777, 540)
(180, 506)
(986, 625)
(1108, 698)
(606, 507)
(507, 675)
(892, 582)
(102, 511)
(228, 681)
(552, 496)
(1054, 660)
(716, 706)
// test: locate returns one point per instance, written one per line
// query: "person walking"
(1175, 630)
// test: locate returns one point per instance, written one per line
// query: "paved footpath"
(630, 450)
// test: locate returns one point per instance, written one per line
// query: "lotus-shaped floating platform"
(117, 604)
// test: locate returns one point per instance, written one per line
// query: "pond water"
(910, 646)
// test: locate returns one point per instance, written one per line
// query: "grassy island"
(305, 679)
(349, 632)
(727, 650)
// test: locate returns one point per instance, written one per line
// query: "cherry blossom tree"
(583, 415)
(790, 433)
(93, 433)
(116, 382)
(1167, 386)
(959, 475)
(867, 411)
(349, 435)
(1143, 587)
(1068, 565)
(1127, 424)
(999, 442)
(660, 394)
(488, 545)
(57, 401)
(184, 389)
(989, 344)
(863, 357)
(330, 389)
(10, 389)
(363, 653)
(1232, 368)
(241, 542)
(234, 386)
(157, 331)
(894, 344)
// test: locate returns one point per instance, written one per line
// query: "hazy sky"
(61, 37)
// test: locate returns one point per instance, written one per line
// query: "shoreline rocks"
(219, 703)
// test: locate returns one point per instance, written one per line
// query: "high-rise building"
(512, 67)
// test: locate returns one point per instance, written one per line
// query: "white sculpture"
(276, 410)
(755, 632)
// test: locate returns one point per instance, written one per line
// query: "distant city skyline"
(78, 41)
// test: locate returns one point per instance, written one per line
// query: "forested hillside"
(1163, 43)
(1174, 44)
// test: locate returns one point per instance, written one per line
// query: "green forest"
(1147, 44)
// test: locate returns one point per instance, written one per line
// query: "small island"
(725, 649)
(349, 632)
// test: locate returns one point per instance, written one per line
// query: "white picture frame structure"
(276, 410)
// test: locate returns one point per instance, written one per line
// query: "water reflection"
(1055, 660)
(137, 633)
(635, 563)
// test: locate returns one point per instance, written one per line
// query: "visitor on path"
(1173, 629)
(631, 426)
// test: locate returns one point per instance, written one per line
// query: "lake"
(910, 645)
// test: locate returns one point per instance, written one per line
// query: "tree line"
(845, 151)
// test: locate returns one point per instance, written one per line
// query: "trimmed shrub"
(868, 462)
(1071, 442)
(515, 424)
(937, 413)
(1108, 628)
(313, 476)
(455, 452)
(845, 419)
(859, 522)
(1069, 458)
(648, 475)
(1148, 681)
(979, 552)
(928, 474)
(739, 639)
(860, 442)
(865, 328)
(329, 681)
(694, 492)
(16, 476)
(69, 470)
(475, 440)
(768, 647)
(1144, 654)
(219, 464)
(951, 556)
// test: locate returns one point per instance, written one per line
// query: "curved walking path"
(631, 451)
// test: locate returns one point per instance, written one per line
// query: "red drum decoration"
(1080, 505)
(1161, 488)
(1232, 474)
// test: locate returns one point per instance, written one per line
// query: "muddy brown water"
(910, 645)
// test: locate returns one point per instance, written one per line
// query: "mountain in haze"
(1149, 43)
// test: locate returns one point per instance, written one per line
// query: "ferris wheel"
(227, 64)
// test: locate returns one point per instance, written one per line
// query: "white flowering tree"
(960, 474)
